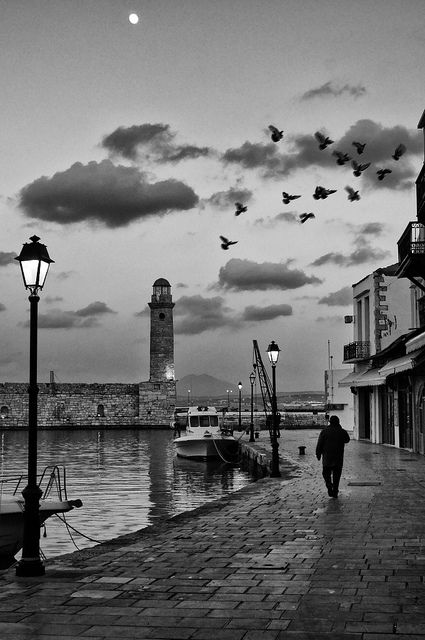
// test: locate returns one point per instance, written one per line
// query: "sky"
(126, 146)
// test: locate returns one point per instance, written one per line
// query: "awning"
(348, 381)
(400, 364)
(371, 378)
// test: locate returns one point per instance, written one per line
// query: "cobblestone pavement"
(277, 560)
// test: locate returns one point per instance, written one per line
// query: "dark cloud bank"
(105, 193)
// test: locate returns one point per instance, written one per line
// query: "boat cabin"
(202, 417)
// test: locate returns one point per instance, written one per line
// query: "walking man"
(330, 447)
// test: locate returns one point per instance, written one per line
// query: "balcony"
(356, 351)
(411, 251)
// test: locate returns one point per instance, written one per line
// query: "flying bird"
(399, 151)
(305, 216)
(286, 198)
(352, 195)
(322, 193)
(276, 134)
(225, 243)
(342, 157)
(382, 172)
(323, 141)
(240, 208)
(358, 168)
(359, 146)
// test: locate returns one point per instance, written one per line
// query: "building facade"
(110, 405)
(388, 348)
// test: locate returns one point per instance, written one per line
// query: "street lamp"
(251, 426)
(188, 397)
(34, 261)
(240, 417)
(273, 353)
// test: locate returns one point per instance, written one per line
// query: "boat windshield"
(204, 421)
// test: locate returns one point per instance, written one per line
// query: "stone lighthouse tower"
(162, 333)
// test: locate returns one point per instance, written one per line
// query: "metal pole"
(251, 426)
(30, 563)
(240, 417)
(275, 473)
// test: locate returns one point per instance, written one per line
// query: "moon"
(133, 18)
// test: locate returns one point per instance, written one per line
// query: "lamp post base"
(274, 472)
(30, 568)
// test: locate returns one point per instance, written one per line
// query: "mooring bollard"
(301, 450)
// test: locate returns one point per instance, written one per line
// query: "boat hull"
(12, 524)
(225, 448)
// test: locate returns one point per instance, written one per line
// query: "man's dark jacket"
(330, 445)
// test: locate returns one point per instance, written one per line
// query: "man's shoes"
(334, 494)
(330, 492)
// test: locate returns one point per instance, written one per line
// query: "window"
(4, 412)
(100, 411)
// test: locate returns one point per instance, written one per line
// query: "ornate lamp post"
(240, 400)
(34, 261)
(251, 426)
(273, 353)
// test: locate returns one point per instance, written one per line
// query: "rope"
(69, 526)
(223, 458)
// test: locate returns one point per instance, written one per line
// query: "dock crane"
(265, 385)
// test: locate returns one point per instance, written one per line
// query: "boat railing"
(52, 478)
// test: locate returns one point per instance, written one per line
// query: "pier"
(277, 560)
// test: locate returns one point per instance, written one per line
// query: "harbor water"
(126, 479)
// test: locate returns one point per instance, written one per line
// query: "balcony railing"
(411, 251)
(359, 350)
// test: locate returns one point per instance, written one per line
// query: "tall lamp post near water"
(34, 261)
(240, 402)
(273, 353)
(251, 425)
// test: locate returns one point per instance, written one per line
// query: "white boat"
(204, 437)
(12, 506)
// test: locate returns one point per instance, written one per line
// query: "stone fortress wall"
(107, 405)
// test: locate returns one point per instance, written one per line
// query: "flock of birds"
(320, 193)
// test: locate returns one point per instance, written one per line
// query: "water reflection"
(127, 480)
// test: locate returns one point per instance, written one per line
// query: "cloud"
(84, 318)
(253, 313)
(288, 216)
(342, 297)
(245, 275)
(301, 151)
(336, 320)
(225, 199)
(330, 89)
(364, 253)
(2, 307)
(111, 195)
(196, 314)
(151, 141)
(372, 228)
(381, 142)
(52, 299)
(7, 257)
(94, 309)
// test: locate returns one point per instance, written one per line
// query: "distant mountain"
(204, 385)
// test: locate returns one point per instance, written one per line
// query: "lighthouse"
(162, 333)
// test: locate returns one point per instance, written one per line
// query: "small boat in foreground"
(204, 437)
(12, 507)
